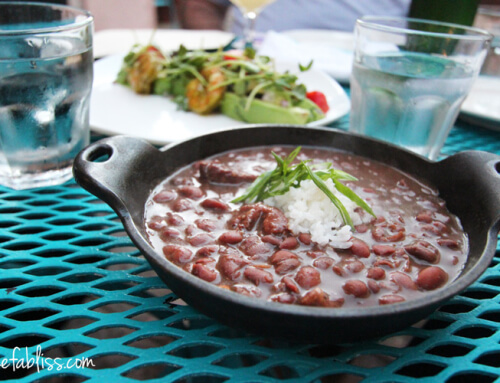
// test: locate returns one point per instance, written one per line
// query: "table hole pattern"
(73, 283)
(151, 371)
(475, 332)
(203, 378)
(420, 370)
(69, 349)
(476, 377)
(351, 378)
(450, 350)
(111, 360)
(490, 359)
(281, 372)
(195, 350)
(110, 332)
(243, 360)
(151, 341)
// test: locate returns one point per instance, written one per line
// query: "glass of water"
(46, 72)
(410, 78)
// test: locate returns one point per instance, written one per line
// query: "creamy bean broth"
(412, 246)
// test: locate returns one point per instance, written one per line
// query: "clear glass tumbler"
(410, 78)
(46, 73)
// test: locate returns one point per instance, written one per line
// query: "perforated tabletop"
(75, 292)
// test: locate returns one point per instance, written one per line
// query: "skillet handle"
(484, 169)
(107, 169)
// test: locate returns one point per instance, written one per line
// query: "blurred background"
(151, 14)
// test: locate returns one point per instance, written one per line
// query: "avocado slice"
(259, 112)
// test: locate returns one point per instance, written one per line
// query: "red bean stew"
(412, 246)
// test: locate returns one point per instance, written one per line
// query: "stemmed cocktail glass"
(250, 10)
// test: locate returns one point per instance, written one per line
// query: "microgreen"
(285, 175)
(304, 68)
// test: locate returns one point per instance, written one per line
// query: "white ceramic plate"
(116, 41)
(332, 51)
(482, 105)
(115, 109)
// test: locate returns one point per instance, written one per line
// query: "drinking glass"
(46, 72)
(250, 10)
(410, 77)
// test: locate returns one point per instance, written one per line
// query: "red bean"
(449, 243)
(156, 225)
(256, 275)
(174, 219)
(323, 263)
(376, 273)
(289, 243)
(423, 250)
(315, 254)
(354, 266)
(246, 217)
(205, 260)
(290, 284)
(206, 224)
(165, 196)
(179, 181)
(230, 265)
(390, 299)
(215, 204)
(168, 232)
(249, 291)
(201, 240)
(315, 297)
(374, 287)
(431, 278)
(357, 288)
(207, 251)
(253, 246)
(284, 261)
(360, 248)
(384, 250)
(338, 270)
(274, 221)
(403, 280)
(231, 237)
(308, 277)
(361, 228)
(281, 255)
(190, 191)
(182, 204)
(384, 262)
(424, 216)
(190, 230)
(388, 233)
(178, 254)
(215, 172)
(436, 227)
(284, 298)
(305, 238)
(203, 272)
(272, 240)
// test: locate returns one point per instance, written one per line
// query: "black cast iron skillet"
(469, 182)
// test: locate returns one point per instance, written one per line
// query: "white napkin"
(326, 57)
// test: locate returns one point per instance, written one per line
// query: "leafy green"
(307, 67)
(279, 181)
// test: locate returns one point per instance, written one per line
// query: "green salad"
(239, 84)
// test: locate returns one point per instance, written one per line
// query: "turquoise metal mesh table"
(73, 288)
